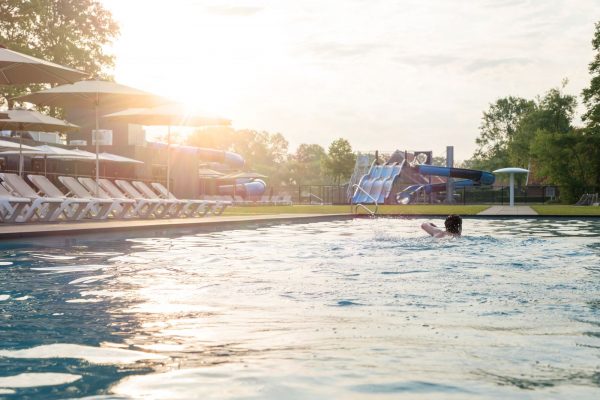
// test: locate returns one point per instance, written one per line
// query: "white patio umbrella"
(172, 114)
(54, 152)
(94, 94)
(18, 68)
(512, 172)
(8, 147)
(87, 156)
(29, 120)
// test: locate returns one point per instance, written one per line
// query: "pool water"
(353, 309)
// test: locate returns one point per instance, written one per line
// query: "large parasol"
(29, 120)
(95, 94)
(17, 68)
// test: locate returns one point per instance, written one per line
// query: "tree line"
(540, 134)
(268, 154)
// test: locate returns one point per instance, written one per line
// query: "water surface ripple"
(366, 308)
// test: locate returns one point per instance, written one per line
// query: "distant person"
(453, 226)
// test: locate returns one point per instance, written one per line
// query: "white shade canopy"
(167, 115)
(511, 171)
(86, 155)
(60, 153)
(31, 120)
(91, 93)
(18, 68)
(8, 146)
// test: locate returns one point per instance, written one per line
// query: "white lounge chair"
(12, 207)
(44, 208)
(119, 208)
(178, 208)
(89, 207)
(143, 208)
(162, 207)
(205, 205)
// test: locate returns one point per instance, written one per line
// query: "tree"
(571, 160)
(340, 160)
(73, 33)
(591, 95)
(305, 164)
(214, 137)
(440, 161)
(553, 113)
(498, 126)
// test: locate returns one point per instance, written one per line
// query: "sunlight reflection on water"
(346, 309)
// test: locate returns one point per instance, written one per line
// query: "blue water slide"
(366, 183)
(482, 177)
(377, 186)
(232, 160)
(406, 195)
(387, 184)
(244, 188)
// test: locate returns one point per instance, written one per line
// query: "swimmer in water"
(453, 227)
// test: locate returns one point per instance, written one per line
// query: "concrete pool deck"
(507, 210)
(15, 231)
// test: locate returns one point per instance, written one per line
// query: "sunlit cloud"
(384, 74)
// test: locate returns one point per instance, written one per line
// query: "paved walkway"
(508, 210)
(212, 222)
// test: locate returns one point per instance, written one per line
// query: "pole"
(21, 150)
(512, 190)
(450, 181)
(169, 158)
(95, 137)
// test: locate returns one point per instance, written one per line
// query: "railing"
(354, 207)
(321, 202)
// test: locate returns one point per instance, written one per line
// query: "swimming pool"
(364, 308)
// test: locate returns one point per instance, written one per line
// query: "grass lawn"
(560, 209)
(423, 209)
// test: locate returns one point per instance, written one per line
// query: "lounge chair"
(119, 208)
(95, 209)
(143, 208)
(215, 206)
(163, 207)
(178, 207)
(44, 208)
(12, 207)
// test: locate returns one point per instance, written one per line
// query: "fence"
(322, 194)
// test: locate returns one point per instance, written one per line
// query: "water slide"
(377, 183)
(481, 177)
(228, 160)
(470, 178)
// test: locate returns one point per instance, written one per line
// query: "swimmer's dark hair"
(453, 224)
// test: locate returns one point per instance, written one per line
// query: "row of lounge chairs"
(85, 199)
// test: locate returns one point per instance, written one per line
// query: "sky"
(384, 74)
